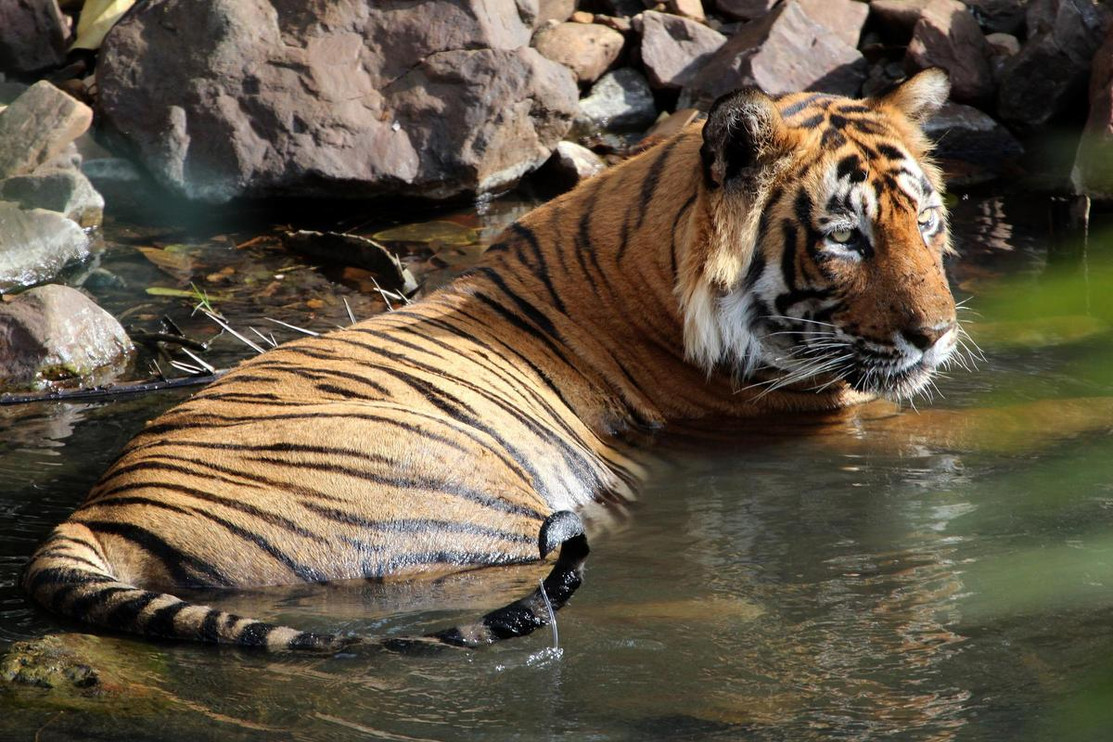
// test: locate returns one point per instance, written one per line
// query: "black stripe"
(649, 185)
(161, 622)
(415, 526)
(542, 271)
(126, 614)
(186, 570)
(210, 631)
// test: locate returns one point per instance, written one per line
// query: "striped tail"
(68, 576)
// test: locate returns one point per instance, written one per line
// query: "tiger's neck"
(596, 270)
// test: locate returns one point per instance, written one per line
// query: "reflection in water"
(940, 574)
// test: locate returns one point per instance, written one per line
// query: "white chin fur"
(717, 330)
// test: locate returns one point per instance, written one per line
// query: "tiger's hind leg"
(562, 529)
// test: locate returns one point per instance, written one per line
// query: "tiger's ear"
(919, 97)
(742, 129)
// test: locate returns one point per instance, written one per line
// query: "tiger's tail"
(68, 576)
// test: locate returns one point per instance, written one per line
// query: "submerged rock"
(35, 244)
(53, 333)
(228, 99)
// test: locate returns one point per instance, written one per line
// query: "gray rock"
(783, 52)
(947, 36)
(33, 35)
(53, 334)
(1093, 166)
(232, 98)
(621, 100)
(65, 191)
(36, 244)
(744, 9)
(587, 49)
(674, 48)
(572, 163)
(971, 146)
(38, 126)
(1051, 71)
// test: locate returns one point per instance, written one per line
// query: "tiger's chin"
(895, 385)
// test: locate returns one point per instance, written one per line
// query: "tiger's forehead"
(866, 161)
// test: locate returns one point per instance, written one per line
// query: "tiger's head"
(820, 258)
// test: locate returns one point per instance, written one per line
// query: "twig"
(225, 326)
(292, 327)
(110, 391)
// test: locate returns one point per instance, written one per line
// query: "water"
(936, 575)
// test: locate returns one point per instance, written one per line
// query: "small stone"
(620, 100)
(572, 164)
(744, 10)
(674, 48)
(53, 334)
(947, 36)
(33, 35)
(38, 126)
(783, 52)
(582, 16)
(622, 25)
(1003, 44)
(35, 244)
(65, 191)
(587, 49)
(971, 146)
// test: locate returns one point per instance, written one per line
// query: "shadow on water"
(935, 574)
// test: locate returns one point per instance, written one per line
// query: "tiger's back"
(452, 433)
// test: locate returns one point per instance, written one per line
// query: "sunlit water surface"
(871, 575)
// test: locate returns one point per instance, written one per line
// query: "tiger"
(784, 254)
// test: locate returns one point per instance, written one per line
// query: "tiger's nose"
(924, 337)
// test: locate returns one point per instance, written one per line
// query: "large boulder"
(786, 50)
(35, 244)
(53, 334)
(588, 49)
(1050, 73)
(66, 191)
(947, 36)
(674, 48)
(33, 35)
(261, 98)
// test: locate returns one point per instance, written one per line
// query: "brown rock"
(674, 48)
(744, 9)
(228, 99)
(690, 9)
(38, 126)
(947, 36)
(33, 35)
(582, 16)
(587, 49)
(784, 51)
(971, 146)
(843, 17)
(1093, 166)
(1049, 75)
(54, 333)
(1003, 44)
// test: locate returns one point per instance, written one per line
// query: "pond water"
(945, 573)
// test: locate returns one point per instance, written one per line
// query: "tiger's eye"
(841, 236)
(927, 218)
